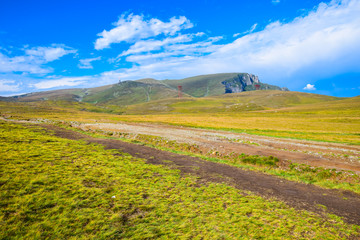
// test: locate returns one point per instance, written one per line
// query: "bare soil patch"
(317, 154)
(301, 196)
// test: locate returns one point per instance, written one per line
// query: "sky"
(304, 45)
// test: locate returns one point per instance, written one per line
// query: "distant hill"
(218, 84)
(234, 103)
(145, 90)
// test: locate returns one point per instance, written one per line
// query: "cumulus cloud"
(151, 45)
(320, 44)
(183, 46)
(8, 86)
(21, 64)
(34, 59)
(48, 54)
(86, 63)
(60, 82)
(131, 28)
(328, 35)
(309, 87)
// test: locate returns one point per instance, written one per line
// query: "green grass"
(54, 188)
(232, 103)
(342, 128)
(270, 113)
(326, 178)
(142, 91)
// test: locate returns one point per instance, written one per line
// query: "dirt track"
(301, 196)
(329, 155)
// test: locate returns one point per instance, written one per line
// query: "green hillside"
(65, 95)
(131, 92)
(236, 102)
(212, 84)
(146, 90)
(202, 86)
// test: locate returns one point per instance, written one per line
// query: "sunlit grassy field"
(291, 115)
(314, 118)
(320, 176)
(332, 129)
(54, 188)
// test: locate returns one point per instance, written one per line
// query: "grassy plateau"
(54, 188)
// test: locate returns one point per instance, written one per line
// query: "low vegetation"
(326, 178)
(54, 188)
(269, 113)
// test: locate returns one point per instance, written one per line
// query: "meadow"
(55, 188)
(304, 173)
(269, 113)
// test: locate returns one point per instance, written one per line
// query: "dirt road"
(301, 196)
(329, 155)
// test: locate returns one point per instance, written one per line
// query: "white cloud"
(252, 29)
(9, 86)
(48, 54)
(132, 28)
(309, 87)
(328, 35)
(21, 64)
(169, 49)
(34, 59)
(5, 50)
(144, 52)
(61, 82)
(151, 45)
(323, 43)
(86, 63)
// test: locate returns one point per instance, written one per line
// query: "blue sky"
(310, 46)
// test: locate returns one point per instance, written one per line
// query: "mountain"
(148, 89)
(234, 103)
(218, 84)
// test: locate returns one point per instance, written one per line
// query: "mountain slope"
(131, 92)
(234, 103)
(218, 84)
(148, 89)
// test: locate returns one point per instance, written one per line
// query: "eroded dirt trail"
(329, 155)
(301, 196)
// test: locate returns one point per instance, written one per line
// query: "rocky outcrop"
(239, 82)
(247, 82)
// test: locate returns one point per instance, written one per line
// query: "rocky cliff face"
(247, 82)
(239, 83)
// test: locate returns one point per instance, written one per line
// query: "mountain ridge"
(148, 89)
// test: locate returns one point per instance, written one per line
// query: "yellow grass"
(339, 122)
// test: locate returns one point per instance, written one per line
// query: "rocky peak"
(239, 82)
(247, 82)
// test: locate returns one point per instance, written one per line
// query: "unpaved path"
(301, 196)
(320, 154)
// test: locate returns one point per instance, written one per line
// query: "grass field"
(326, 178)
(340, 129)
(53, 188)
(270, 113)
